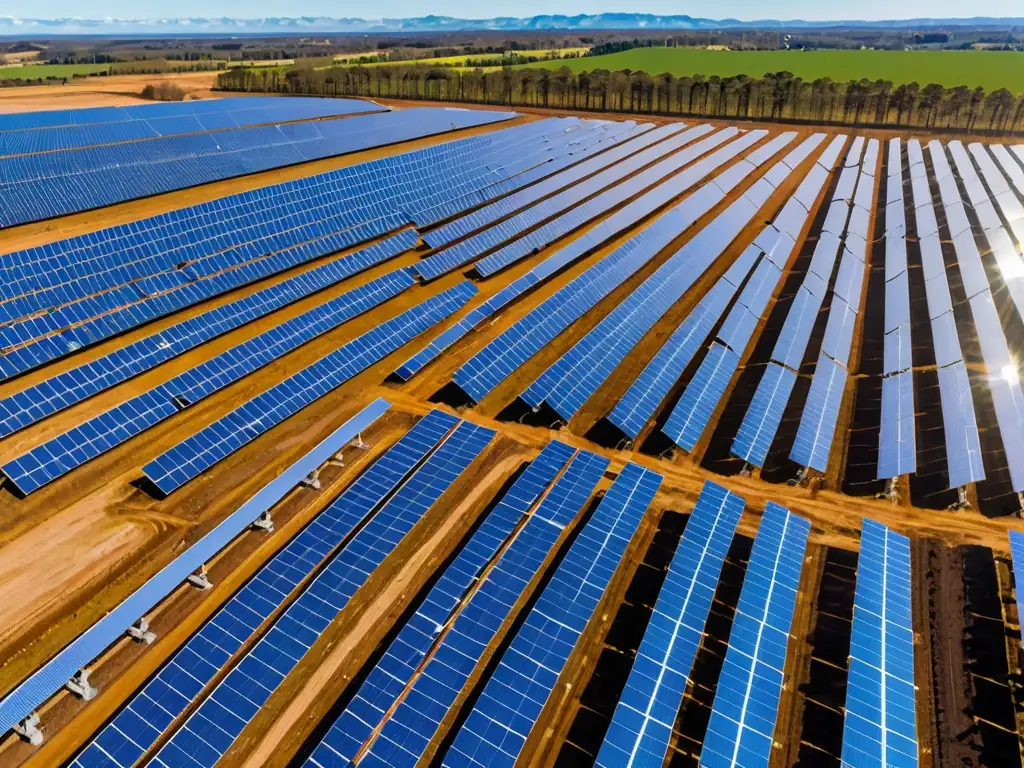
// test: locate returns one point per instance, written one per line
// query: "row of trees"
(779, 96)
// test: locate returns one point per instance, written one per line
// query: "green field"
(36, 71)
(989, 69)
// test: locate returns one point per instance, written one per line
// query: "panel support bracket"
(29, 730)
(312, 480)
(199, 579)
(139, 631)
(79, 685)
(264, 522)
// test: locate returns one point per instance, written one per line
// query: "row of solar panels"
(101, 433)
(405, 706)
(74, 292)
(35, 187)
(246, 112)
(58, 118)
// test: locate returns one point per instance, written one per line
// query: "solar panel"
(763, 416)
(98, 435)
(412, 723)
(221, 717)
(65, 389)
(690, 417)
(30, 694)
(1017, 557)
(642, 722)
(796, 331)
(602, 233)
(963, 450)
(194, 455)
(515, 694)
(740, 731)
(385, 683)
(1003, 197)
(880, 727)
(635, 408)
(820, 415)
(896, 441)
(839, 331)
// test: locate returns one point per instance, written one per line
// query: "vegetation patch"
(990, 70)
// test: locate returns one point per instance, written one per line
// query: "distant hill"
(12, 26)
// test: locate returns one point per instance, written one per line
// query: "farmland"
(990, 70)
(53, 71)
(292, 419)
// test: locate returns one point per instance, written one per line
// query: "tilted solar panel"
(385, 684)
(218, 721)
(30, 694)
(740, 732)
(880, 726)
(515, 695)
(643, 719)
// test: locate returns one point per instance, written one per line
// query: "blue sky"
(741, 9)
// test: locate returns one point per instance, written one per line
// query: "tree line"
(779, 96)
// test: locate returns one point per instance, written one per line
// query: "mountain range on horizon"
(15, 26)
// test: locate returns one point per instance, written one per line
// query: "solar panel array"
(1017, 557)
(764, 414)
(569, 382)
(57, 298)
(750, 683)
(63, 390)
(642, 723)
(897, 443)
(136, 728)
(94, 437)
(524, 229)
(1004, 379)
(600, 234)
(194, 455)
(387, 681)
(35, 187)
(963, 446)
(496, 729)
(880, 726)
(691, 414)
(212, 728)
(202, 116)
(35, 690)
(412, 724)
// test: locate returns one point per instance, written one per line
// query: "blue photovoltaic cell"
(963, 449)
(897, 302)
(75, 292)
(1017, 557)
(747, 697)
(796, 330)
(100, 434)
(896, 352)
(63, 390)
(641, 400)
(820, 416)
(896, 441)
(124, 740)
(386, 682)
(40, 186)
(194, 455)
(762, 419)
(212, 728)
(839, 331)
(642, 723)
(880, 727)
(413, 722)
(690, 416)
(496, 729)
(43, 683)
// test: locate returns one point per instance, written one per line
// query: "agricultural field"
(468, 60)
(56, 71)
(615, 413)
(990, 70)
